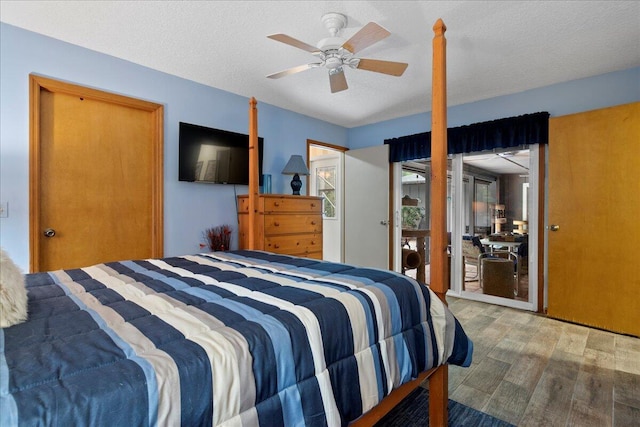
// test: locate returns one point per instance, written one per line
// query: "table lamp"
(296, 167)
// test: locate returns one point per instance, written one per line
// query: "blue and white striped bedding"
(237, 338)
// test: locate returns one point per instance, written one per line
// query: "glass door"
(415, 192)
(491, 240)
(490, 219)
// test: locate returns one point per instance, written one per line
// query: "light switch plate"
(4, 209)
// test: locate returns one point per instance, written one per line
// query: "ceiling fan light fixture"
(333, 61)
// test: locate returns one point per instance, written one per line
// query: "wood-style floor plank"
(470, 396)
(627, 388)
(601, 341)
(509, 402)
(550, 401)
(487, 375)
(625, 416)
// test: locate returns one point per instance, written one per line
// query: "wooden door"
(594, 200)
(366, 195)
(96, 177)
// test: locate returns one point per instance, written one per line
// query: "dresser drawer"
(295, 244)
(243, 204)
(292, 223)
(292, 204)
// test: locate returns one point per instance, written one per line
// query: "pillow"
(13, 293)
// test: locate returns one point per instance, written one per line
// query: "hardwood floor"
(531, 370)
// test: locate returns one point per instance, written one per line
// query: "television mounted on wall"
(214, 156)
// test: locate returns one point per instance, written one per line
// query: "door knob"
(49, 232)
(554, 227)
(384, 222)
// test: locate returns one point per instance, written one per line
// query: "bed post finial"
(439, 28)
(253, 172)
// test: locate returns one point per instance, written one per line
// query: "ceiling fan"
(334, 53)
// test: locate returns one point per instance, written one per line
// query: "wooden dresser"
(285, 224)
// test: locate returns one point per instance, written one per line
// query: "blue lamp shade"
(296, 167)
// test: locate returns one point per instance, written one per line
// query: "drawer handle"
(276, 224)
(313, 223)
(276, 203)
(313, 205)
(276, 246)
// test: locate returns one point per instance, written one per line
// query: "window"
(326, 188)
(482, 207)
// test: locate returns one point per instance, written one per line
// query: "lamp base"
(296, 184)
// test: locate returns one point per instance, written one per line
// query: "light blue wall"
(602, 91)
(189, 208)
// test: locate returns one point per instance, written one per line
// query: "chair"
(499, 274)
(472, 251)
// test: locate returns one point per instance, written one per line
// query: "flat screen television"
(214, 156)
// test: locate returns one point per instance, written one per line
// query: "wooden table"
(512, 246)
(420, 236)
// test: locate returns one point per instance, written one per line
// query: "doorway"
(326, 180)
(96, 183)
(486, 193)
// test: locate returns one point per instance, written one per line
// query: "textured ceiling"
(493, 47)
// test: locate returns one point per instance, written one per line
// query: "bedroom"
(189, 209)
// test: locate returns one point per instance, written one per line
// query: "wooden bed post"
(439, 283)
(253, 171)
(439, 242)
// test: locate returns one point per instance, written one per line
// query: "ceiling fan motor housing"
(330, 43)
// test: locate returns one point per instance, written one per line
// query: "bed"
(222, 338)
(237, 338)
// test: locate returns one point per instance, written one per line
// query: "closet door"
(96, 177)
(594, 206)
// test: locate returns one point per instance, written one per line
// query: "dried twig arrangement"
(217, 238)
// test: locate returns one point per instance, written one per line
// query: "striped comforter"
(236, 338)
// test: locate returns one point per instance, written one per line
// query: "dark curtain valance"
(502, 133)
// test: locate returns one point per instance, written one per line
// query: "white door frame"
(536, 183)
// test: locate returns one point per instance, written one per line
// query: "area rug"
(413, 411)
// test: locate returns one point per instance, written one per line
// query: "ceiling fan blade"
(368, 35)
(292, 71)
(283, 38)
(384, 67)
(337, 80)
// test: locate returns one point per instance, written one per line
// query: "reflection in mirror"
(495, 212)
